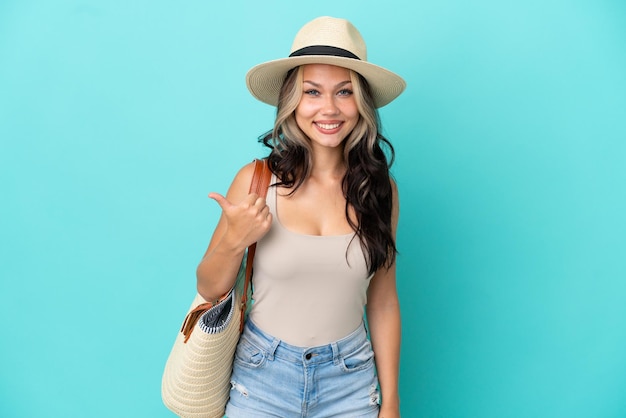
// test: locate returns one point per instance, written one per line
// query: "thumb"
(221, 200)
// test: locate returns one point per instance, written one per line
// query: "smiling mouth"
(328, 126)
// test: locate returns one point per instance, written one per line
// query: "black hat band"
(323, 50)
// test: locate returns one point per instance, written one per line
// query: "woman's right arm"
(245, 219)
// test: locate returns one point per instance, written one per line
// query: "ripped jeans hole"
(374, 396)
(239, 388)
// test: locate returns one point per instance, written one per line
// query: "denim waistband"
(274, 347)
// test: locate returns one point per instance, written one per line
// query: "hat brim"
(265, 80)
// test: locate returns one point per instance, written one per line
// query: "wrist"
(229, 245)
(390, 401)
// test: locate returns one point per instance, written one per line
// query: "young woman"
(325, 239)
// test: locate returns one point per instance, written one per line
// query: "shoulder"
(240, 186)
(244, 175)
(394, 187)
(394, 191)
(395, 201)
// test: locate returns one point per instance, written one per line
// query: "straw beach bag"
(196, 380)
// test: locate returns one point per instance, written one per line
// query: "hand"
(246, 222)
(389, 412)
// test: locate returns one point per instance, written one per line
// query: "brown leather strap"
(260, 182)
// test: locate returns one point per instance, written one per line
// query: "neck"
(328, 163)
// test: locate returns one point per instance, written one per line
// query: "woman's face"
(327, 111)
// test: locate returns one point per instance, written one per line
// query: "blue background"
(117, 118)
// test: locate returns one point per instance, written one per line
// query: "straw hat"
(325, 40)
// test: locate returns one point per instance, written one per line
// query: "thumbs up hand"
(246, 222)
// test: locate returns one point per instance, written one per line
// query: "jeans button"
(308, 356)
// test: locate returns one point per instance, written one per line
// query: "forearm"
(218, 270)
(385, 330)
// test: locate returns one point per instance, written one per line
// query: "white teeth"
(328, 125)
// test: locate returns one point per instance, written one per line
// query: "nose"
(330, 107)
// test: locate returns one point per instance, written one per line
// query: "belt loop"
(272, 350)
(336, 354)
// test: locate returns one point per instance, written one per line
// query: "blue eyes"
(342, 92)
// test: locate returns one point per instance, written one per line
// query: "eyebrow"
(343, 83)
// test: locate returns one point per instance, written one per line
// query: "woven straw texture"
(196, 380)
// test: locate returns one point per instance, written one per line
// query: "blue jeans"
(274, 379)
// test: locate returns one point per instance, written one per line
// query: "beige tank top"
(306, 293)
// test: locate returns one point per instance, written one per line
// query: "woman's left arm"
(383, 317)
